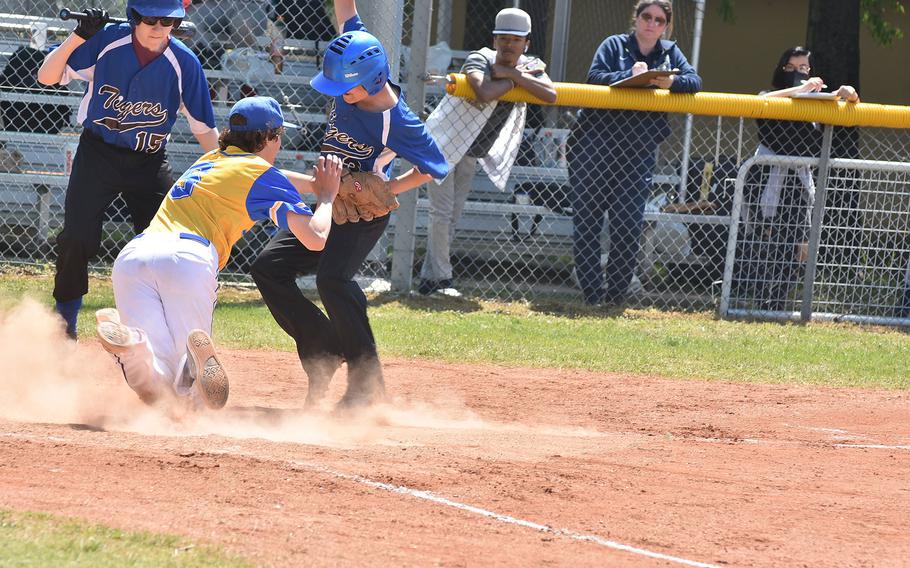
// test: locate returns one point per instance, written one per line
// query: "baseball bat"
(186, 30)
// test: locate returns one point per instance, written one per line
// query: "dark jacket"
(790, 137)
(613, 62)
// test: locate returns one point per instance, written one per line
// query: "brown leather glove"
(362, 197)
(344, 211)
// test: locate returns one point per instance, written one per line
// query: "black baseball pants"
(322, 340)
(101, 171)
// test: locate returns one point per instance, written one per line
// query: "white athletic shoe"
(115, 337)
(107, 314)
(210, 378)
(450, 292)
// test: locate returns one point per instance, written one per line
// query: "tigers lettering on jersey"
(132, 105)
(345, 145)
(126, 109)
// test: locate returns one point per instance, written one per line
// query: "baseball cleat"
(210, 378)
(115, 337)
(107, 314)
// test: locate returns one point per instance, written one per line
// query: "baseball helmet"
(352, 59)
(160, 8)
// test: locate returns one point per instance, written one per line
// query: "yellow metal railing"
(709, 104)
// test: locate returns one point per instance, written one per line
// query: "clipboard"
(819, 96)
(644, 79)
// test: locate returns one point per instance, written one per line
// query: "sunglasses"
(166, 21)
(802, 68)
(658, 20)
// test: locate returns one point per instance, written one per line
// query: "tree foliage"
(873, 16)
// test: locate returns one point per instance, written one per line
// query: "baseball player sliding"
(369, 126)
(165, 279)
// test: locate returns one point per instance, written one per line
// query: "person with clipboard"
(612, 152)
(783, 197)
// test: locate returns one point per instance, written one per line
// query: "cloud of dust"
(380, 424)
(44, 377)
(398, 422)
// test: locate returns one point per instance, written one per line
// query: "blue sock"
(69, 310)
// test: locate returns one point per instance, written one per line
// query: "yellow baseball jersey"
(222, 195)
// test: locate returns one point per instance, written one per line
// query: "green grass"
(556, 335)
(32, 539)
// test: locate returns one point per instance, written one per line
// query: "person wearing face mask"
(612, 153)
(482, 130)
(783, 204)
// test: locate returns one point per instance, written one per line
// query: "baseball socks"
(69, 311)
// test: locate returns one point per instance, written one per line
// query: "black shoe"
(427, 287)
(319, 376)
(366, 385)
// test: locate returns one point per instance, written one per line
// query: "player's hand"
(639, 68)
(93, 24)
(327, 172)
(662, 82)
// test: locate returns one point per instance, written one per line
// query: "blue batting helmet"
(352, 59)
(160, 8)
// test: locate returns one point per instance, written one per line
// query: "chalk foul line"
(432, 497)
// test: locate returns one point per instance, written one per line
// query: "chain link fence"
(247, 47)
(837, 250)
(514, 237)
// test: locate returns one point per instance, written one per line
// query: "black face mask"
(787, 79)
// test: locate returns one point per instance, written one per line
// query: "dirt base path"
(472, 465)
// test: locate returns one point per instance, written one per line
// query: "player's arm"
(208, 139)
(408, 181)
(344, 11)
(303, 183)
(414, 144)
(51, 70)
(313, 230)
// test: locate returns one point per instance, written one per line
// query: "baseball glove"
(362, 197)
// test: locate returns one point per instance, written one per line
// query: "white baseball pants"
(165, 285)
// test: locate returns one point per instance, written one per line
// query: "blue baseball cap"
(261, 113)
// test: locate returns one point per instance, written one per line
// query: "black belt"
(188, 236)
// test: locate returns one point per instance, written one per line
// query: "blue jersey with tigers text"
(370, 141)
(132, 106)
(222, 195)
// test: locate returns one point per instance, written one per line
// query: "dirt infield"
(469, 465)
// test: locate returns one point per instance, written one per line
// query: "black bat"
(186, 30)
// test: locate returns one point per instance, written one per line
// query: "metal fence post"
(815, 230)
(444, 22)
(559, 47)
(44, 215)
(385, 21)
(732, 238)
(404, 242)
(687, 135)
